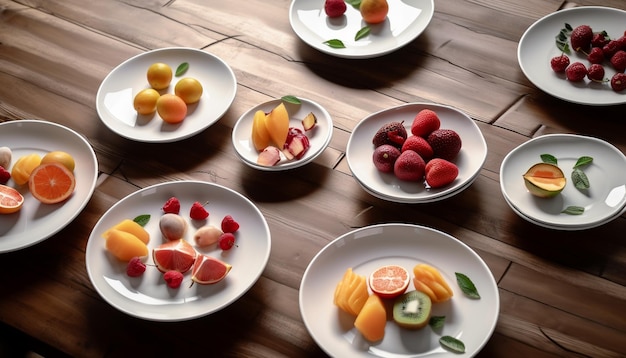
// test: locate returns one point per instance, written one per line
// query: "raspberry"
(425, 122)
(596, 73)
(440, 172)
(172, 206)
(560, 63)
(229, 224)
(618, 60)
(226, 241)
(5, 175)
(335, 8)
(135, 267)
(198, 212)
(173, 279)
(618, 82)
(596, 55)
(576, 72)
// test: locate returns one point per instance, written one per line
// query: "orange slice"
(176, 255)
(208, 270)
(51, 183)
(10, 200)
(389, 281)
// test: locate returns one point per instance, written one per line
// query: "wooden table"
(563, 293)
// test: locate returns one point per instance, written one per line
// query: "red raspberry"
(198, 212)
(425, 122)
(335, 8)
(172, 206)
(135, 267)
(581, 38)
(596, 73)
(226, 241)
(440, 172)
(576, 72)
(560, 63)
(173, 279)
(229, 224)
(596, 55)
(5, 175)
(618, 60)
(600, 39)
(618, 82)
(418, 145)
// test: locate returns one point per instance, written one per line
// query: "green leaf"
(573, 210)
(584, 160)
(569, 27)
(549, 158)
(142, 219)
(580, 180)
(182, 68)
(437, 321)
(452, 344)
(466, 285)
(291, 99)
(354, 3)
(362, 33)
(335, 43)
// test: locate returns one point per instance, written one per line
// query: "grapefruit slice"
(10, 200)
(177, 255)
(389, 281)
(51, 183)
(208, 270)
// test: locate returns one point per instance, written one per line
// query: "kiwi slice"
(412, 310)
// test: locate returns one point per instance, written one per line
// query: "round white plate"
(114, 101)
(36, 222)
(364, 250)
(537, 46)
(148, 296)
(405, 21)
(319, 136)
(360, 150)
(605, 198)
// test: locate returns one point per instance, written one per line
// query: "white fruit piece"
(270, 156)
(309, 121)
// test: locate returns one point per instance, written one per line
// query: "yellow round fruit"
(171, 108)
(189, 89)
(60, 157)
(23, 167)
(145, 101)
(159, 75)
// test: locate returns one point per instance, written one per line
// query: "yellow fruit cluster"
(127, 239)
(272, 128)
(351, 292)
(431, 282)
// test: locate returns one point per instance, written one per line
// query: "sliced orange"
(176, 255)
(389, 281)
(10, 200)
(208, 270)
(51, 183)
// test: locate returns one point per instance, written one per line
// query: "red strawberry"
(618, 60)
(611, 48)
(425, 122)
(581, 38)
(172, 206)
(576, 72)
(198, 212)
(560, 63)
(5, 175)
(335, 8)
(618, 82)
(419, 145)
(596, 73)
(392, 133)
(440, 172)
(173, 279)
(229, 224)
(596, 55)
(226, 241)
(446, 143)
(409, 166)
(135, 267)
(600, 39)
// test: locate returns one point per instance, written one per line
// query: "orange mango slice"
(277, 124)
(430, 281)
(260, 134)
(130, 227)
(372, 319)
(351, 292)
(124, 246)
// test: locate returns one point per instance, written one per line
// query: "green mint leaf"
(142, 219)
(362, 33)
(573, 210)
(549, 158)
(436, 321)
(580, 180)
(466, 285)
(584, 160)
(569, 27)
(334, 43)
(452, 344)
(354, 3)
(182, 68)
(291, 99)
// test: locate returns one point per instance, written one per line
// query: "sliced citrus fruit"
(51, 183)
(10, 200)
(389, 281)
(208, 270)
(177, 255)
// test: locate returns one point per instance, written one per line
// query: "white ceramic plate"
(360, 149)
(36, 222)
(148, 297)
(405, 21)
(114, 101)
(319, 136)
(471, 321)
(537, 46)
(606, 197)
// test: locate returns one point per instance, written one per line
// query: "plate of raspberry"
(538, 46)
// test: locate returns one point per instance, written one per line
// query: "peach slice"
(544, 180)
(430, 281)
(124, 246)
(131, 227)
(260, 135)
(277, 124)
(372, 319)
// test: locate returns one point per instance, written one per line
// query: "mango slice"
(260, 134)
(430, 281)
(372, 319)
(124, 246)
(351, 292)
(131, 227)
(277, 124)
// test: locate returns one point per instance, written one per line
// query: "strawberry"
(172, 206)
(596, 55)
(335, 8)
(600, 39)
(425, 122)
(618, 82)
(440, 172)
(446, 143)
(560, 63)
(226, 241)
(392, 133)
(596, 73)
(581, 38)
(419, 145)
(198, 212)
(409, 166)
(135, 267)
(611, 48)
(229, 224)
(5, 175)
(173, 279)
(618, 61)
(576, 72)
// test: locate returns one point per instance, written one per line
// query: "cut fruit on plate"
(51, 183)
(544, 180)
(389, 281)
(10, 200)
(177, 255)
(209, 270)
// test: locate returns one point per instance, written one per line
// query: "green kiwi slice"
(412, 310)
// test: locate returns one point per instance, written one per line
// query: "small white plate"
(36, 222)
(114, 100)
(364, 250)
(319, 136)
(360, 150)
(605, 199)
(537, 46)
(147, 296)
(405, 21)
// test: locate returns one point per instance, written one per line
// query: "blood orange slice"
(51, 183)
(177, 255)
(389, 281)
(10, 200)
(208, 270)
